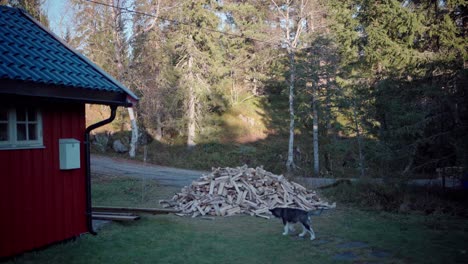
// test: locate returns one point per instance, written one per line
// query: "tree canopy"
(376, 88)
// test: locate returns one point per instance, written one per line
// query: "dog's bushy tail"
(315, 212)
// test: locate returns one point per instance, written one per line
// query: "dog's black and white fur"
(291, 216)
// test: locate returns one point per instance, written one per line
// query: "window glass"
(3, 114)
(20, 128)
(3, 132)
(32, 132)
(21, 132)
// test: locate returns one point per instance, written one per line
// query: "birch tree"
(120, 53)
(148, 64)
(101, 35)
(317, 70)
(292, 19)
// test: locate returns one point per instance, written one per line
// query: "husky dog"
(291, 216)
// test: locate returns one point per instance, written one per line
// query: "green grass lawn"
(354, 235)
(119, 191)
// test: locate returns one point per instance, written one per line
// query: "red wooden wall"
(39, 203)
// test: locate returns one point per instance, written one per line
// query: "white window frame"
(13, 142)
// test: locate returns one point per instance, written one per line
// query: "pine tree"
(150, 67)
(246, 56)
(197, 58)
(404, 60)
(33, 7)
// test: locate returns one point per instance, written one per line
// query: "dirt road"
(101, 165)
(167, 176)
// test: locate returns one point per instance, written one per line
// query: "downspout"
(89, 217)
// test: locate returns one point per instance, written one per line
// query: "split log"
(221, 188)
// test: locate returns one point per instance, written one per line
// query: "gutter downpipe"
(89, 217)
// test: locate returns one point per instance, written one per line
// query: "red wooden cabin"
(44, 147)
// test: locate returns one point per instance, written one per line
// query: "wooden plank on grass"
(113, 213)
(114, 217)
(133, 210)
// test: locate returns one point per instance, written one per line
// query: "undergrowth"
(253, 132)
(400, 198)
(206, 156)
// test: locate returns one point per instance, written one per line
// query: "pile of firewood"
(229, 191)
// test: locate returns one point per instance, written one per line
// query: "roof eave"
(63, 93)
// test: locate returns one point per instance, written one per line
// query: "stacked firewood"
(229, 191)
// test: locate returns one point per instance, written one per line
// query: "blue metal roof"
(29, 52)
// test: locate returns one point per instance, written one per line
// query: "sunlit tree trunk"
(290, 162)
(134, 139)
(330, 134)
(191, 107)
(158, 126)
(293, 14)
(119, 48)
(359, 140)
(315, 131)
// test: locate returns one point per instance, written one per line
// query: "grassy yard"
(344, 235)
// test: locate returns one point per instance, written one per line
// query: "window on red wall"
(20, 128)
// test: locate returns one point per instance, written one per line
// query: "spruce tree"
(404, 60)
(197, 57)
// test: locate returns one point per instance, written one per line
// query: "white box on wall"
(69, 153)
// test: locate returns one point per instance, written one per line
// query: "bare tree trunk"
(298, 11)
(119, 47)
(330, 138)
(315, 131)
(134, 140)
(359, 140)
(290, 162)
(410, 162)
(158, 126)
(191, 122)
(191, 108)
(234, 93)
(255, 90)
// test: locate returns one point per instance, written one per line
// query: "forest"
(337, 88)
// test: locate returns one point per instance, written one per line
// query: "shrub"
(400, 198)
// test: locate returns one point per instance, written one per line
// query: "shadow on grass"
(246, 239)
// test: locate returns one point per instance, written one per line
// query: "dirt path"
(101, 165)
